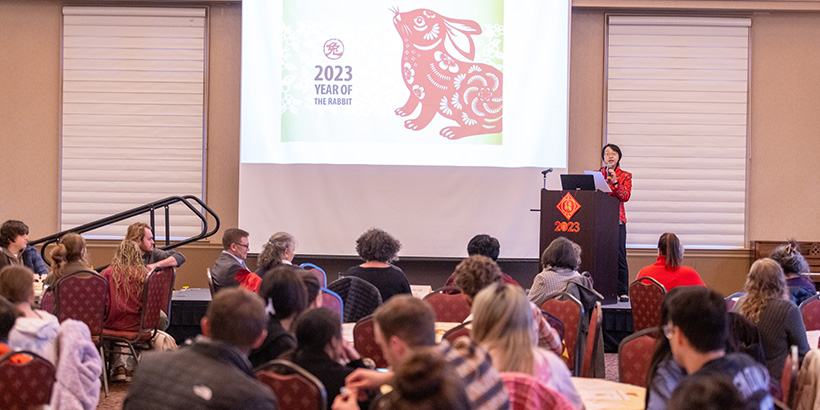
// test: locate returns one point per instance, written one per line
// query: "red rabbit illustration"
(463, 91)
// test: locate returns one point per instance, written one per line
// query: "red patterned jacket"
(621, 191)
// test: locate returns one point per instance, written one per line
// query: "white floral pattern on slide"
(444, 107)
(418, 91)
(409, 73)
(433, 33)
(445, 62)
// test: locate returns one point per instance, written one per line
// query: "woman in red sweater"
(668, 269)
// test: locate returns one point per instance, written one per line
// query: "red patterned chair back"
(332, 301)
(294, 387)
(364, 341)
(527, 393)
(646, 295)
(810, 309)
(449, 307)
(570, 312)
(592, 347)
(82, 296)
(555, 323)
(788, 381)
(458, 331)
(318, 272)
(25, 384)
(634, 354)
(47, 301)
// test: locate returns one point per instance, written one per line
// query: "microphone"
(546, 171)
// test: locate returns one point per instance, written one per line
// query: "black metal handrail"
(150, 207)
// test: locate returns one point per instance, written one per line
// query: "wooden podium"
(590, 219)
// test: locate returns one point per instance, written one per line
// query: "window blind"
(133, 113)
(677, 92)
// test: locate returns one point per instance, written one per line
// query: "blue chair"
(333, 301)
(316, 271)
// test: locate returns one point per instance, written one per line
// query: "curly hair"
(476, 273)
(377, 245)
(128, 271)
(765, 282)
(136, 231)
(790, 259)
(274, 250)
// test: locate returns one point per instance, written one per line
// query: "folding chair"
(569, 310)
(448, 307)
(294, 387)
(364, 341)
(634, 355)
(646, 296)
(26, 380)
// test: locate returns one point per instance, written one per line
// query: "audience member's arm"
(367, 379)
(547, 336)
(166, 259)
(346, 401)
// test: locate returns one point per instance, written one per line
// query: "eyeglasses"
(242, 245)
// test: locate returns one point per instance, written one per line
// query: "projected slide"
(452, 83)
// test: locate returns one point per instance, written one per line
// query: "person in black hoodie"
(322, 351)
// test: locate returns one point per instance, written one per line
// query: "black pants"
(623, 268)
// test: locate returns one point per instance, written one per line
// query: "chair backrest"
(810, 310)
(569, 310)
(555, 323)
(450, 290)
(592, 347)
(526, 393)
(25, 384)
(789, 379)
(47, 300)
(210, 282)
(458, 331)
(449, 307)
(360, 297)
(732, 299)
(635, 354)
(157, 294)
(364, 341)
(333, 301)
(316, 271)
(646, 296)
(294, 387)
(82, 296)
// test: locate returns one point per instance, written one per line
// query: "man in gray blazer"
(235, 247)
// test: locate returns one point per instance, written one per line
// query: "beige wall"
(784, 123)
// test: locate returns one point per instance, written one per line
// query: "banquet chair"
(810, 310)
(26, 380)
(593, 346)
(156, 291)
(555, 323)
(294, 387)
(364, 341)
(646, 295)
(788, 381)
(570, 312)
(332, 301)
(458, 331)
(448, 307)
(47, 300)
(359, 297)
(83, 296)
(526, 393)
(732, 299)
(210, 283)
(316, 271)
(634, 355)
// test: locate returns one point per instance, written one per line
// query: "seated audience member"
(779, 322)
(714, 392)
(232, 259)
(404, 324)
(503, 324)
(314, 289)
(126, 279)
(664, 372)
(484, 245)
(283, 291)
(321, 350)
(796, 270)
(668, 269)
(697, 332)
(378, 249)
(278, 251)
(34, 330)
(32, 260)
(152, 257)
(478, 272)
(425, 381)
(68, 256)
(560, 263)
(13, 240)
(213, 372)
(8, 315)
